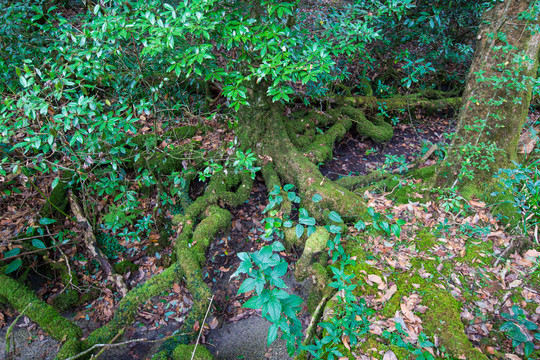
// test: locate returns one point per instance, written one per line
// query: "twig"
(504, 253)
(10, 329)
(96, 346)
(202, 326)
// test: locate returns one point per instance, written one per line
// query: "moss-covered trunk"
(496, 98)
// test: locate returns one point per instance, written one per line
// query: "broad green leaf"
(272, 334)
(55, 182)
(12, 252)
(46, 221)
(299, 231)
(278, 246)
(360, 225)
(13, 266)
(334, 216)
(38, 244)
(247, 285)
(316, 198)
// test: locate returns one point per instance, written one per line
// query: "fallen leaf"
(389, 355)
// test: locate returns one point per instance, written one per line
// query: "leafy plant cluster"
(521, 331)
(265, 267)
(521, 184)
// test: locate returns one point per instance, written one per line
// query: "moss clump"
(66, 300)
(124, 266)
(185, 352)
(57, 203)
(443, 315)
(425, 240)
(443, 318)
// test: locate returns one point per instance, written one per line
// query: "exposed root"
(375, 128)
(91, 245)
(315, 244)
(430, 101)
(20, 297)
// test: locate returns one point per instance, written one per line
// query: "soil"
(357, 155)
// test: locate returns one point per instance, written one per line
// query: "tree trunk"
(496, 100)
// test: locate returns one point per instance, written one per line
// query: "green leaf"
(12, 252)
(278, 246)
(272, 334)
(288, 187)
(307, 221)
(273, 309)
(334, 216)
(13, 266)
(247, 285)
(385, 227)
(280, 269)
(299, 231)
(55, 182)
(38, 244)
(360, 225)
(316, 198)
(396, 230)
(46, 221)
(255, 302)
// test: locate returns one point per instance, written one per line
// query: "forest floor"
(449, 243)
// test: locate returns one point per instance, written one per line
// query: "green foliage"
(519, 329)
(397, 339)
(264, 269)
(522, 185)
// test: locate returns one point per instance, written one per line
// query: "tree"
(496, 98)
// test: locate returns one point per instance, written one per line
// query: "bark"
(496, 99)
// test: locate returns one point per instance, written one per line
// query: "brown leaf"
(176, 288)
(389, 355)
(345, 340)
(213, 323)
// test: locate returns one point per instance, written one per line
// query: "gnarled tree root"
(19, 296)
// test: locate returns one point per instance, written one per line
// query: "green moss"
(23, 299)
(443, 318)
(128, 306)
(441, 305)
(66, 300)
(217, 220)
(185, 352)
(314, 244)
(69, 349)
(472, 253)
(57, 204)
(124, 266)
(375, 128)
(314, 298)
(424, 239)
